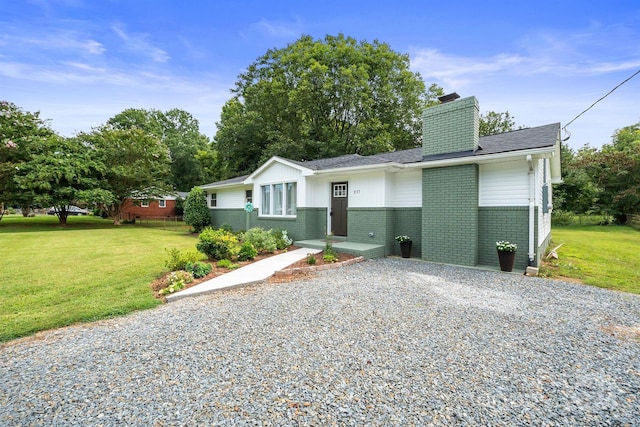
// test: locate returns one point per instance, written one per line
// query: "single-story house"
(455, 196)
(164, 206)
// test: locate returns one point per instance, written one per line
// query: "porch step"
(366, 250)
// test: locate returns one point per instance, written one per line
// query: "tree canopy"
(605, 180)
(322, 98)
(136, 165)
(180, 131)
(20, 133)
(492, 123)
(60, 172)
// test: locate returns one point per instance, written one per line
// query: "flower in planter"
(504, 246)
(403, 238)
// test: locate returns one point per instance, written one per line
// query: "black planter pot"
(405, 249)
(506, 260)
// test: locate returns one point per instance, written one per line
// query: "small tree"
(196, 212)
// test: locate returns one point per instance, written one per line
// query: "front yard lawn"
(54, 275)
(604, 256)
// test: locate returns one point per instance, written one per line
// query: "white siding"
(404, 189)
(230, 198)
(367, 190)
(277, 172)
(504, 184)
(318, 192)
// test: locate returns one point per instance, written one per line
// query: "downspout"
(532, 228)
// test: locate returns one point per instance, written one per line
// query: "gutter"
(532, 227)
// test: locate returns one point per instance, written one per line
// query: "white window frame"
(144, 204)
(213, 200)
(162, 203)
(285, 208)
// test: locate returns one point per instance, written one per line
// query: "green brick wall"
(450, 214)
(509, 223)
(386, 224)
(310, 223)
(234, 217)
(451, 127)
(362, 221)
(407, 221)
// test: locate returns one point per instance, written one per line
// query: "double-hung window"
(278, 199)
(162, 203)
(213, 200)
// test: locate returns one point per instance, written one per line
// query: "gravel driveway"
(383, 342)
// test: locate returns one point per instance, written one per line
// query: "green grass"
(603, 256)
(55, 275)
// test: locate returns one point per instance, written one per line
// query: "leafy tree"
(615, 169)
(180, 131)
(196, 212)
(61, 172)
(492, 123)
(577, 193)
(135, 163)
(322, 98)
(19, 132)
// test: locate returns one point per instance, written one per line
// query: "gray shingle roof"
(522, 139)
(236, 180)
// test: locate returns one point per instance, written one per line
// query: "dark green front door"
(339, 204)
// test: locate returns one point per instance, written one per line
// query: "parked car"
(72, 210)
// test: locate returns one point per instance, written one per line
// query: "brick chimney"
(451, 127)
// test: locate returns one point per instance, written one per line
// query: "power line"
(593, 105)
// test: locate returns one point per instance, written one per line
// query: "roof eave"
(484, 158)
(229, 185)
(276, 159)
(365, 168)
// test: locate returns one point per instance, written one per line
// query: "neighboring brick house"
(163, 207)
(455, 196)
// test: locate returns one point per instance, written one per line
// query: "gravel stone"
(383, 342)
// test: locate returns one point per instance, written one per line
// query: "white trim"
(275, 159)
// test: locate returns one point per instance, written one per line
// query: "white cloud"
(69, 42)
(136, 42)
(280, 29)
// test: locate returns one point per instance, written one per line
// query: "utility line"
(593, 105)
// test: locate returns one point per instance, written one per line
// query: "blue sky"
(80, 62)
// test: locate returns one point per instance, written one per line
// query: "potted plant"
(506, 254)
(405, 245)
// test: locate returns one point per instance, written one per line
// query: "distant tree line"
(602, 181)
(136, 154)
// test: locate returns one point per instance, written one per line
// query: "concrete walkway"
(252, 273)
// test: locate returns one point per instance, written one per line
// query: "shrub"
(247, 252)
(196, 212)
(226, 227)
(329, 254)
(176, 280)
(330, 257)
(223, 263)
(198, 269)
(311, 259)
(262, 240)
(217, 244)
(178, 260)
(282, 238)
